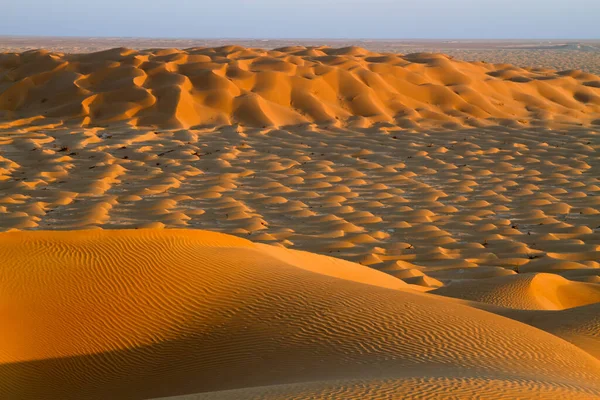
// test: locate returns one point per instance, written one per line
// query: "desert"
(302, 221)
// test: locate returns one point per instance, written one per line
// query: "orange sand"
(287, 86)
(460, 199)
(140, 314)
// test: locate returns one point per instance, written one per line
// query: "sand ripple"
(461, 202)
(139, 314)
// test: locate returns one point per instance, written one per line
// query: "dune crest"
(287, 86)
(459, 199)
(150, 313)
(537, 291)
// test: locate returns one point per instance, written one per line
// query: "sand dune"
(441, 204)
(139, 314)
(432, 386)
(460, 201)
(287, 86)
(525, 292)
(578, 325)
(563, 55)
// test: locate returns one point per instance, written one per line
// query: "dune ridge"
(460, 199)
(155, 313)
(529, 291)
(287, 86)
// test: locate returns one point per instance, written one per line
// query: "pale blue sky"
(483, 19)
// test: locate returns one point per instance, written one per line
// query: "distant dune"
(559, 55)
(286, 86)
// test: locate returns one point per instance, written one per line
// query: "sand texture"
(555, 54)
(288, 86)
(138, 314)
(231, 223)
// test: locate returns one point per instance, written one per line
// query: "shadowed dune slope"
(287, 86)
(158, 313)
(426, 388)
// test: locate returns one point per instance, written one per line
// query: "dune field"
(556, 54)
(304, 222)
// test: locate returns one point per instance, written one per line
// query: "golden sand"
(460, 201)
(138, 314)
(287, 86)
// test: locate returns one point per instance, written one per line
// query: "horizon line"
(2, 35)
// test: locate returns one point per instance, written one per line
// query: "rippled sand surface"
(298, 223)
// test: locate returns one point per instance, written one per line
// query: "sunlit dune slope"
(532, 291)
(287, 86)
(151, 313)
(578, 325)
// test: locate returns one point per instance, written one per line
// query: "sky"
(267, 19)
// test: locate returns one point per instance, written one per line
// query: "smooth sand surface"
(461, 202)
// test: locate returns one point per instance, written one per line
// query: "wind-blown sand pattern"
(461, 202)
(287, 86)
(560, 55)
(163, 312)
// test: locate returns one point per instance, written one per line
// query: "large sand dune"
(461, 201)
(138, 314)
(287, 86)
